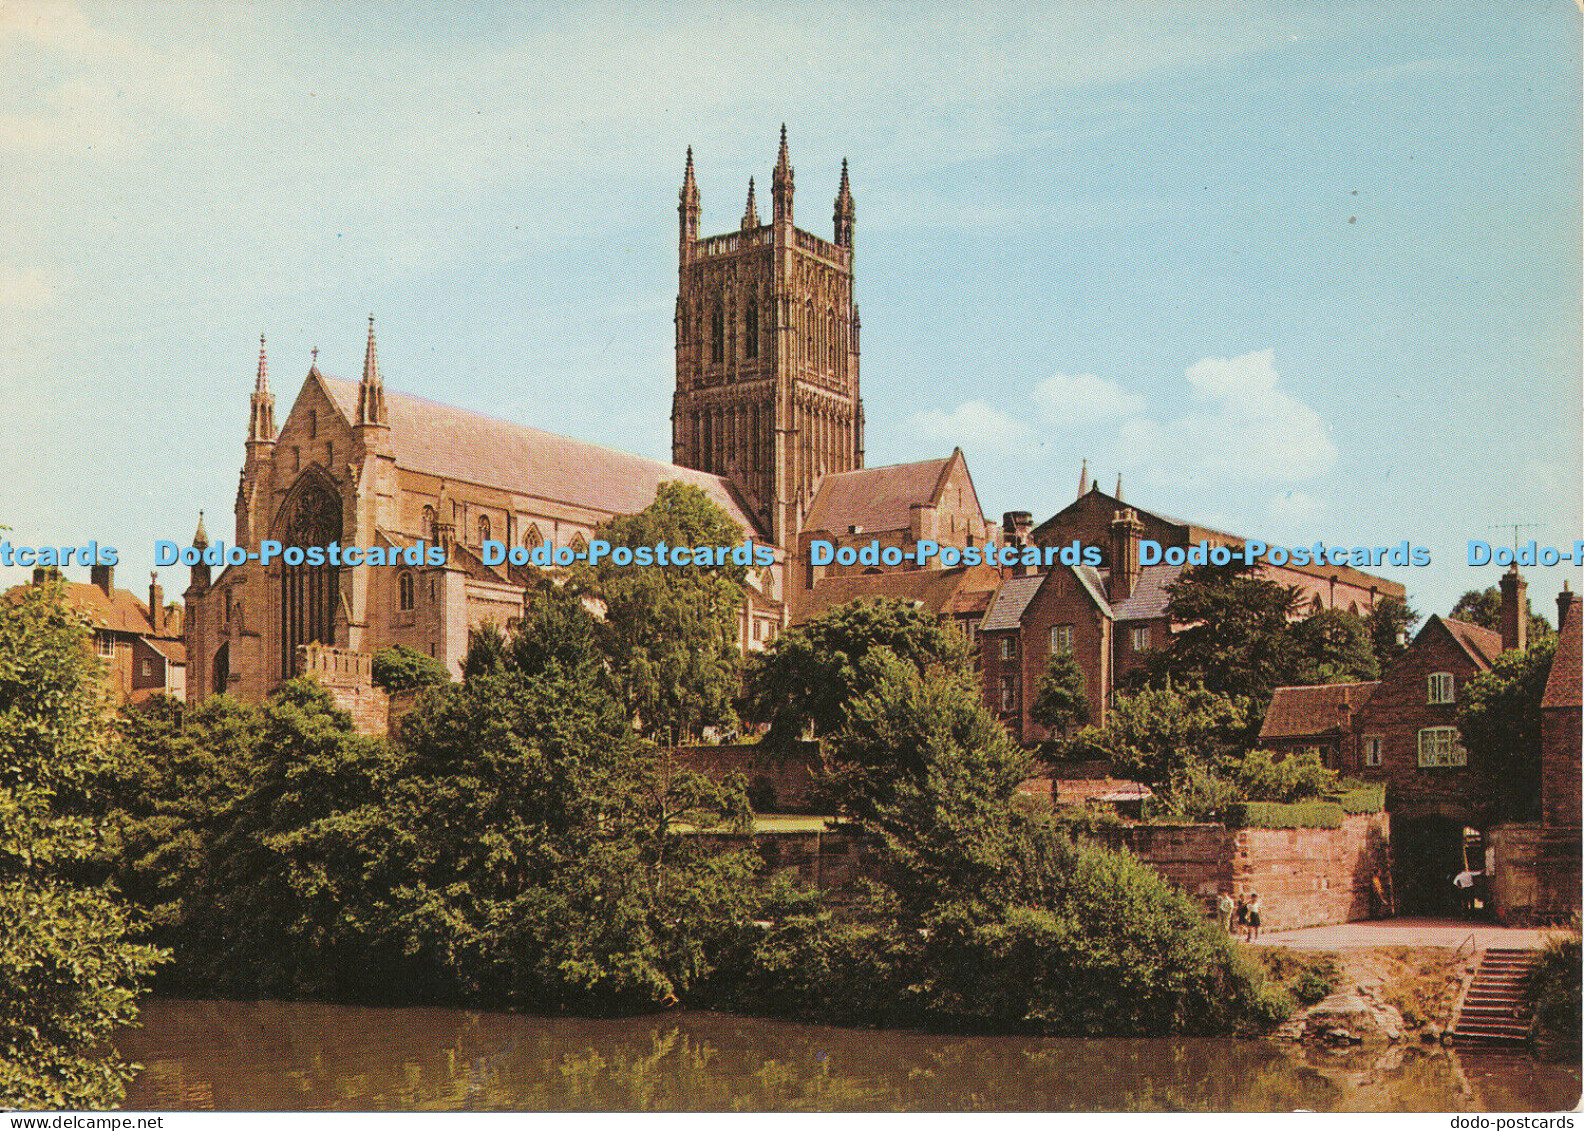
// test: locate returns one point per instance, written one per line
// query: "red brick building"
(140, 645)
(1317, 719)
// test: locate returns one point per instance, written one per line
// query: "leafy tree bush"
(400, 668)
(1499, 719)
(670, 633)
(1483, 607)
(1061, 701)
(1389, 619)
(810, 673)
(1159, 734)
(68, 975)
(1553, 989)
(1332, 646)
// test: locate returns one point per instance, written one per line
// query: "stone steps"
(1492, 1013)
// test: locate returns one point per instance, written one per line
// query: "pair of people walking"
(1246, 913)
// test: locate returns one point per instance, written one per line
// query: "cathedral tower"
(767, 352)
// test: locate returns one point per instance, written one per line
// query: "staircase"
(1492, 1014)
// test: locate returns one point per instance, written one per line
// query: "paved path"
(1407, 932)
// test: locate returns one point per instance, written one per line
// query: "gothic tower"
(767, 352)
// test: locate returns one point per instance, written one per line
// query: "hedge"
(1364, 799)
(1273, 815)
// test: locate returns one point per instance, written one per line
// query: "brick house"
(141, 645)
(1318, 719)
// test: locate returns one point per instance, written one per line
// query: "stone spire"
(751, 213)
(845, 212)
(1119, 487)
(688, 206)
(1083, 480)
(200, 536)
(261, 426)
(371, 393)
(781, 182)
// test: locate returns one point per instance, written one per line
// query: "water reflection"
(292, 1055)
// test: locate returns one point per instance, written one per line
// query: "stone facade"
(1305, 877)
(767, 352)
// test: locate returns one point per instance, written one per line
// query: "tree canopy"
(1061, 701)
(1389, 620)
(1483, 607)
(810, 674)
(68, 974)
(1234, 638)
(670, 632)
(1499, 719)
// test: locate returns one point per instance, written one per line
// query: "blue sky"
(1294, 270)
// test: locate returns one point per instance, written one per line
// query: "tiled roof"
(1090, 579)
(876, 498)
(1149, 596)
(1482, 644)
(453, 443)
(943, 591)
(174, 651)
(1301, 712)
(119, 611)
(1006, 610)
(1562, 685)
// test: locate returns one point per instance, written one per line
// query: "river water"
(307, 1056)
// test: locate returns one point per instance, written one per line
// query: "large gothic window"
(483, 528)
(751, 329)
(718, 335)
(309, 593)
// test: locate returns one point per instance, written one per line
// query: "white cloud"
(1250, 429)
(1073, 401)
(975, 427)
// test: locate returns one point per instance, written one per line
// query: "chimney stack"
(104, 577)
(1016, 526)
(156, 603)
(1126, 530)
(1564, 604)
(1514, 611)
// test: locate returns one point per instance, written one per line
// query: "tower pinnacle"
(261, 422)
(1083, 480)
(781, 182)
(688, 207)
(751, 213)
(845, 212)
(371, 393)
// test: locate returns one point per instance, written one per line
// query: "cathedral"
(766, 415)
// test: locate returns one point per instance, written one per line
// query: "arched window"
(313, 424)
(221, 674)
(483, 528)
(751, 328)
(579, 544)
(533, 538)
(718, 335)
(429, 518)
(310, 594)
(404, 589)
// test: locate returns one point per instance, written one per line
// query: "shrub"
(1270, 815)
(400, 668)
(1552, 987)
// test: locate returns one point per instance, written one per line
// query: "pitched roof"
(452, 443)
(1090, 579)
(1006, 608)
(1482, 644)
(1562, 685)
(1300, 712)
(943, 591)
(875, 498)
(1149, 597)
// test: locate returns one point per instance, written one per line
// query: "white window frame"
(1008, 648)
(1141, 639)
(1061, 639)
(1370, 747)
(1440, 688)
(1009, 693)
(104, 645)
(1441, 748)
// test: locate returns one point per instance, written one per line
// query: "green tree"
(68, 975)
(1235, 638)
(1332, 646)
(1061, 701)
(540, 845)
(1483, 607)
(1499, 719)
(1390, 625)
(810, 674)
(670, 632)
(1159, 734)
(929, 770)
(400, 668)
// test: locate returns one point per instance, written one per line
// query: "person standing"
(1253, 917)
(1224, 908)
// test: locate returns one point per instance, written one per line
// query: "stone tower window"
(483, 528)
(718, 335)
(404, 590)
(310, 594)
(429, 518)
(532, 539)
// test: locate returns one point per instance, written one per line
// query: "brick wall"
(1535, 873)
(790, 780)
(1305, 877)
(348, 676)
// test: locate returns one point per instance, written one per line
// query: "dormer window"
(1439, 689)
